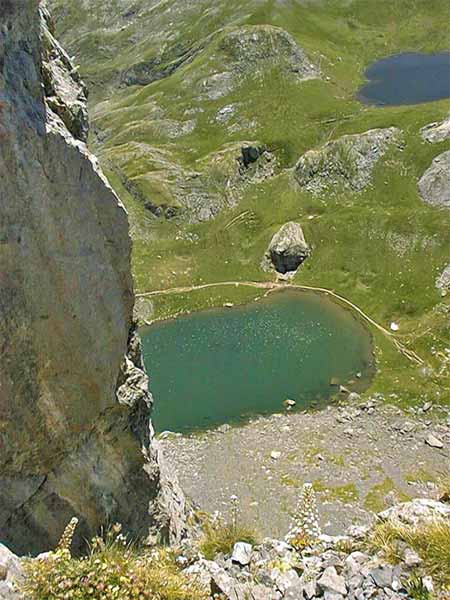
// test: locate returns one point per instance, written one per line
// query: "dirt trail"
(271, 286)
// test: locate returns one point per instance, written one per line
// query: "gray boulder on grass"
(287, 250)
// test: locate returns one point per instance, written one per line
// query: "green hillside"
(178, 87)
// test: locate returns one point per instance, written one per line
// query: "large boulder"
(75, 434)
(344, 164)
(287, 249)
(434, 185)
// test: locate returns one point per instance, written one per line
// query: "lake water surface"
(224, 365)
(408, 78)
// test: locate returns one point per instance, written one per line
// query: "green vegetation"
(375, 499)
(220, 537)
(416, 588)
(382, 247)
(111, 570)
(343, 493)
(431, 541)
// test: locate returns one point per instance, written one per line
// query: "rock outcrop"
(287, 250)
(443, 281)
(436, 132)
(346, 163)
(259, 46)
(434, 185)
(75, 435)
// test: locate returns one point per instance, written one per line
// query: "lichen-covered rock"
(434, 185)
(75, 436)
(287, 250)
(345, 163)
(436, 132)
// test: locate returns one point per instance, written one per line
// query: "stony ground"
(361, 457)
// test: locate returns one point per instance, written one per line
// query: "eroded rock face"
(345, 163)
(287, 249)
(434, 185)
(75, 436)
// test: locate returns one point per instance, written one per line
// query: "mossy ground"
(382, 248)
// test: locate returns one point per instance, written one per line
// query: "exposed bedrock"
(345, 163)
(434, 185)
(75, 434)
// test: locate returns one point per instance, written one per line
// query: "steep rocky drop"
(75, 435)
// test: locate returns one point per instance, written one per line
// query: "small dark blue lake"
(222, 366)
(408, 78)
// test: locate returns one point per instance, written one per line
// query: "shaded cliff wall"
(75, 437)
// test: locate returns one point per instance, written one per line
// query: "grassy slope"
(382, 248)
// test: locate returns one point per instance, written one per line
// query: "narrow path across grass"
(274, 286)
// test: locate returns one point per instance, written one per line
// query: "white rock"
(275, 455)
(242, 553)
(433, 441)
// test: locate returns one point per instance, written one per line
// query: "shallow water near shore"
(407, 78)
(225, 365)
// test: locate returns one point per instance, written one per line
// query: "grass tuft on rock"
(220, 535)
(430, 540)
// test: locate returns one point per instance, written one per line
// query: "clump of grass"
(112, 570)
(220, 536)
(430, 540)
(416, 588)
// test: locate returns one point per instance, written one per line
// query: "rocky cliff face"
(75, 436)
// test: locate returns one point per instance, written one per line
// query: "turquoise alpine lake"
(226, 365)
(408, 78)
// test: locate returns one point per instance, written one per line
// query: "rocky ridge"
(76, 439)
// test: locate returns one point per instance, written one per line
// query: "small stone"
(275, 455)
(411, 558)
(289, 403)
(382, 576)
(427, 583)
(332, 582)
(433, 441)
(242, 553)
